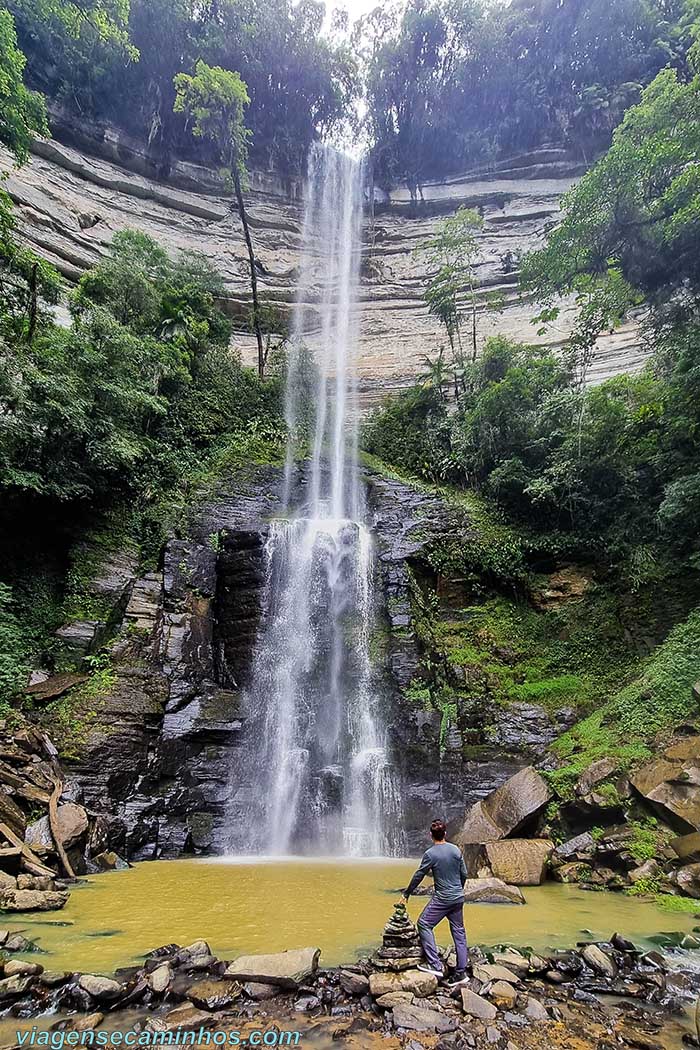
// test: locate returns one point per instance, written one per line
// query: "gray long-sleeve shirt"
(445, 862)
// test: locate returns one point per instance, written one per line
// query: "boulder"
(354, 983)
(392, 999)
(419, 1019)
(596, 773)
(520, 862)
(535, 1010)
(285, 969)
(417, 982)
(108, 860)
(32, 900)
(14, 987)
(599, 961)
(214, 995)
(103, 989)
(503, 994)
(159, 979)
(19, 968)
(72, 827)
(513, 962)
(687, 847)
(7, 881)
(578, 849)
(492, 972)
(687, 880)
(506, 810)
(185, 1017)
(476, 1006)
(650, 869)
(491, 891)
(671, 784)
(196, 949)
(260, 992)
(85, 1022)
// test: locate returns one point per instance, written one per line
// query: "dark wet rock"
(354, 983)
(599, 960)
(186, 1018)
(214, 994)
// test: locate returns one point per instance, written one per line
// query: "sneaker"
(429, 969)
(459, 977)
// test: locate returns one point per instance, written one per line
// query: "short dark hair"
(438, 829)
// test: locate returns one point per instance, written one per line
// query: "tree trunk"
(253, 274)
(33, 303)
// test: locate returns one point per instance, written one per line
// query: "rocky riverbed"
(594, 995)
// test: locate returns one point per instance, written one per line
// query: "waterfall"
(323, 781)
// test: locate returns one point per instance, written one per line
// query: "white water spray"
(323, 778)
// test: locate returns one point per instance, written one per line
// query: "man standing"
(444, 861)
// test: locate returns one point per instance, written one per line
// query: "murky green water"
(341, 906)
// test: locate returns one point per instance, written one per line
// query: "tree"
(213, 100)
(452, 253)
(22, 112)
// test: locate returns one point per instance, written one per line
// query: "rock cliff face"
(77, 192)
(165, 761)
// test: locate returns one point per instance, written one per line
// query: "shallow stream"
(248, 906)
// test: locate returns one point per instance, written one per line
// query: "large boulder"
(687, 847)
(520, 862)
(491, 891)
(72, 827)
(103, 989)
(671, 784)
(32, 900)
(284, 969)
(506, 810)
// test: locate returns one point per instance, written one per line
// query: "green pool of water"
(248, 906)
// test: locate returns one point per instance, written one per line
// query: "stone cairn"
(400, 948)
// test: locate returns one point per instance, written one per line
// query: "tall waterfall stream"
(323, 778)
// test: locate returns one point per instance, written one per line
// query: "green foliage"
(451, 254)
(636, 212)
(626, 724)
(450, 84)
(22, 112)
(300, 82)
(611, 471)
(13, 650)
(213, 100)
(73, 717)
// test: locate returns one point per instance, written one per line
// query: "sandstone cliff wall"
(76, 193)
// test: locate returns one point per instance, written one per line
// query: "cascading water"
(323, 779)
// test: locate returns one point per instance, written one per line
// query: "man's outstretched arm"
(463, 876)
(426, 866)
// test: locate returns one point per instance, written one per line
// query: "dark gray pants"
(431, 915)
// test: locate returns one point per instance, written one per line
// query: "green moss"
(72, 717)
(675, 905)
(626, 724)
